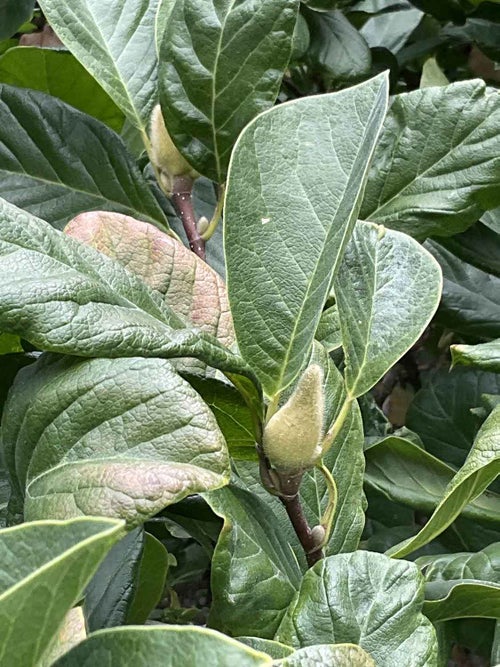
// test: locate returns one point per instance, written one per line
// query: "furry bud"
(164, 153)
(293, 435)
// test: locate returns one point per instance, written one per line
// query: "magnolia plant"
(198, 311)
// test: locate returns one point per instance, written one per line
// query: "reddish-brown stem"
(299, 522)
(182, 200)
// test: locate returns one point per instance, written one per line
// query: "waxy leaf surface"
(294, 185)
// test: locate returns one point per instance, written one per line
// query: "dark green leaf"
(391, 30)
(428, 176)
(461, 598)
(150, 586)
(211, 83)
(274, 184)
(12, 14)
(479, 246)
(94, 171)
(485, 356)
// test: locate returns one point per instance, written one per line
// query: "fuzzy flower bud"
(165, 155)
(293, 436)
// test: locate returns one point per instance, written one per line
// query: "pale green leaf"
(428, 176)
(94, 171)
(432, 74)
(114, 41)
(462, 599)
(485, 356)
(328, 332)
(272, 648)
(481, 467)
(69, 298)
(59, 74)
(328, 655)
(44, 567)
(301, 162)
(166, 646)
(367, 599)
(77, 443)
(391, 30)
(71, 633)
(387, 290)
(254, 571)
(221, 64)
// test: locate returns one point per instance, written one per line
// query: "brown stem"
(299, 522)
(182, 200)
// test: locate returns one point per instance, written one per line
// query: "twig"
(293, 507)
(182, 191)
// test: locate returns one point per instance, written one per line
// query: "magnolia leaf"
(428, 178)
(70, 298)
(328, 332)
(150, 586)
(432, 74)
(165, 646)
(387, 290)
(211, 84)
(367, 599)
(254, 571)
(483, 565)
(405, 473)
(481, 467)
(44, 567)
(485, 356)
(479, 246)
(94, 171)
(274, 185)
(189, 286)
(10, 344)
(391, 30)
(71, 633)
(114, 41)
(328, 655)
(272, 648)
(58, 73)
(12, 14)
(76, 443)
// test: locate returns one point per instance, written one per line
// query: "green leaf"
(109, 595)
(324, 5)
(387, 290)
(188, 285)
(325, 655)
(407, 474)
(471, 298)
(211, 83)
(94, 171)
(328, 332)
(391, 30)
(272, 648)
(10, 344)
(367, 599)
(432, 74)
(462, 599)
(69, 298)
(481, 467)
(114, 41)
(44, 567)
(14, 13)
(151, 582)
(337, 50)
(71, 633)
(174, 646)
(59, 74)
(485, 356)
(441, 413)
(274, 185)
(479, 246)
(79, 444)
(254, 571)
(428, 176)
(483, 565)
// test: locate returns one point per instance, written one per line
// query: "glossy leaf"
(405, 473)
(211, 84)
(481, 467)
(12, 14)
(274, 185)
(114, 41)
(94, 171)
(387, 290)
(254, 571)
(109, 595)
(428, 176)
(43, 568)
(324, 655)
(77, 443)
(337, 49)
(485, 356)
(441, 413)
(367, 599)
(166, 646)
(189, 286)
(70, 298)
(58, 73)
(471, 298)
